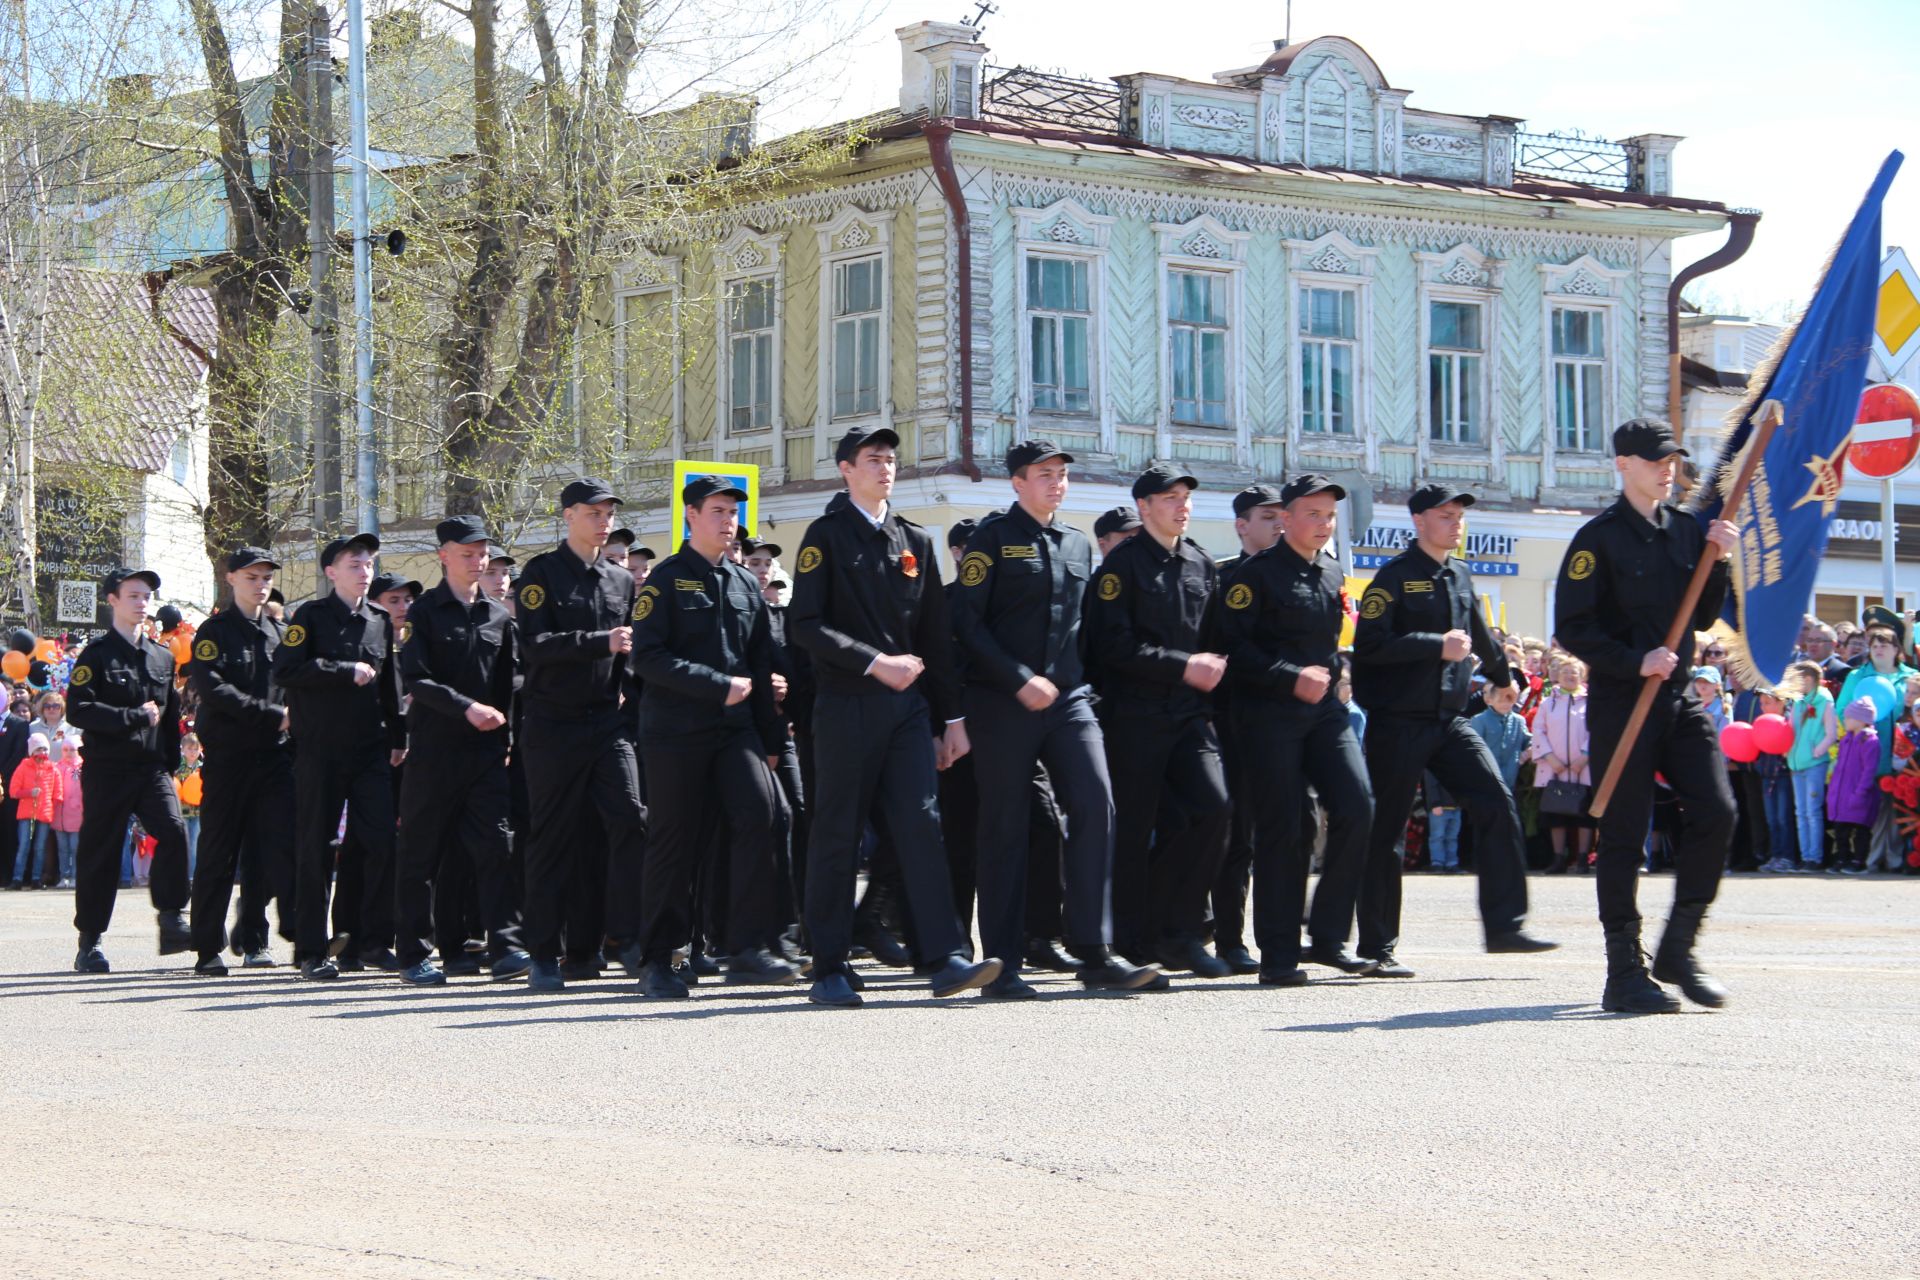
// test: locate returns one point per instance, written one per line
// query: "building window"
(180, 461)
(1197, 335)
(1059, 316)
(1579, 378)
(750, 353)
(856, 337)
(1455, 372)
(1328, 340)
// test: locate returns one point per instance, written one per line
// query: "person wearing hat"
(1279, 622)
(248, 773)
(121, 694)
(1623, 576)
(619, 547)
(790, 835)
(396, 596)
(868, 607)
(497, 581)
(1155, 681)
(575, 614)
(339, 663)
(1022, 585)
(1258, 519)
(1113, 527)
(709, 734)
(1414, 646)
(640, 563)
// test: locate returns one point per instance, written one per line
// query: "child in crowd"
(1708, 687)
(1814, 731)
(1776, 784)
(1504, 731)
(1443, 827)
(1560, 755)
(1853, 792)
(66, 823)
(186, 781)
(37, 788)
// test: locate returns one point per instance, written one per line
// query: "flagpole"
(1683, 617)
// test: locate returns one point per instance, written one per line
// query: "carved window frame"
(1203, 243)
(1461, 274)
(1064, 229)
(1308, 266)
(1585, 283)
(646, 276)
(747, 255)
(851, 234)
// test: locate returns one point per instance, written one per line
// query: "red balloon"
(1736, 742)
(1773, 735)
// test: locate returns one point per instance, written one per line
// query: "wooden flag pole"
(1683, 617)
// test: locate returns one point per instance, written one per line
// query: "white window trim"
(1462, 274)
(1310, 265)
(637, 278)
(748, 255)
(1064, 229)
(1204, 244)
(1589, 284)
(852, 233)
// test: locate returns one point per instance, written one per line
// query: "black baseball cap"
(622, 536)
(387, 582)
(962, 532)
(1118, 520)
(1303, 486)
(700, 488)
(1256, 495)
(1647, 438)
(859, 438)
(357, 542)
(118, 576)
(586, 489)
(648, 552)
(464, 530)
(245, 556)
(1028, 452)
(1159, 478)
(1429, 496)
(497, 553)
(748, 547)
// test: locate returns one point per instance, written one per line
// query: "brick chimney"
(940, 68)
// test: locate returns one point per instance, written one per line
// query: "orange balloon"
(15, 665)
(181, 645)
(46, 650)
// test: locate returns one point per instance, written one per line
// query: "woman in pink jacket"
(1560, 755)
(66, 822)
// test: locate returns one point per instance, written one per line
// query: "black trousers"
(1160, 887)
(453, 812)
(719, 776)
(361, 778)
(1750, 798)
(1678, 742)
(1398, 750)
(586, 834)
(1007, 741)
(352, 889)
(876, 749)
(246, 797)
(1284, 750)
(790, 837)
(1229, 894)
(115, 794)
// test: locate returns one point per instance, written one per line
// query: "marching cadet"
(497, 582)
(790, 840)
(396, 596)
(867, 605)
(1279, 622)
(710, 734)
(575, 614)
(619, 548)
(121, 695)
(339, 666)
(1022, 585)
(1624, 575)
(1142, 631)
(1414, 647)
(1114, 527)
(248, 771)
(458, 669)
(1258, 518)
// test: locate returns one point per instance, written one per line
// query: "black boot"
(1629, 989)
(1674, 961)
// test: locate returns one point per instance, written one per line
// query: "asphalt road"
(1483, 1119)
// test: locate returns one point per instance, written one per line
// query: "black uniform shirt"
(567, 609)
(315, 662)
(1016, 608)
(1404, 614)
(458, 654)
(1620, 582)
(696, 626)
(111, 680)
(1144, 613)
(241, 704)
(1280, 615)
(862, 590)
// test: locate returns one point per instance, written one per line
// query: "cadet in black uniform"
(1142, 630)
(458, 668)
(1113, 527)
(1279, 623)
(1023, 583)
(1420, 629)
(248, 774)
(867, 605)
(790, 839)
(1258, 517)
(121, 696)
(1621, 581)
(339, 667)
(709, 730)
(575, 613)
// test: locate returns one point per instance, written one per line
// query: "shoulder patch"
(809, 560)
(1109, 586)
(1375, 602)
(643, 603)
(1581, 566)
(206, 650)
(80, 676)
(405, 633)
(296, 636)
(974, 568)
(1239, 596)
(1025, 551)
(532, 596)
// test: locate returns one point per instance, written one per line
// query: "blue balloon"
(1879, 690)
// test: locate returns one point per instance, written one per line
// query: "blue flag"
(1815, 380)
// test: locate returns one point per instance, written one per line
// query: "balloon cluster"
(1744, 743)
(30, 660)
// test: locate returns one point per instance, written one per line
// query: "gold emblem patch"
(1580, 568)
(206, 651)
(643, 604)
(1109, 586)
(1239, 596)
(974, 569)
(532, 596)
(1374, 603)
(296, 635)
(80, 676)
(809, 559)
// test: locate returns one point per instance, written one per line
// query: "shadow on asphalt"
(1463, 1018)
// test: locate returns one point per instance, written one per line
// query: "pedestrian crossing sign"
(744, 475)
